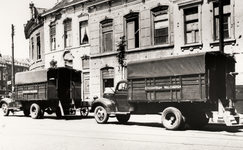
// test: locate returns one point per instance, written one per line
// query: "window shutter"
(130, 34)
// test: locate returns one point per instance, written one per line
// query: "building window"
(86, 85)
(107, 78)
(53, 37)
(38, 47)
(107, 35)
(191, 25)
(85, 63)
(67, 32)
(83, 32)
(32, 47)
(132, 30)
(226, 20)
(160, 27)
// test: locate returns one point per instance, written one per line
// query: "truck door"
(121, 97)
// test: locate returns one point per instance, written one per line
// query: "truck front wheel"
(5, 109)
(101, 115)
(172, 118)
(35, 111)
(123, 118)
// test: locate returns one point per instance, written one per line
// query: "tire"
(197, 120)
(172, 119)
(41, 113)
(5, 109)
(27, 112)
(35, 111)
(84, 111)
(123, 118)
(58, 112)
(101, 115)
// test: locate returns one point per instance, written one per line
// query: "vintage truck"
(183, 89)
(48, 90)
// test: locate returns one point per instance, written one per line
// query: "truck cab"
(119, 96)
(113, 103)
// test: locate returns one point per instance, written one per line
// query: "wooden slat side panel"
(178, 88)
(193, 87)
(37, 91)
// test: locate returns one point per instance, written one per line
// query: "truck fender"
(6, 100)
(107, 103)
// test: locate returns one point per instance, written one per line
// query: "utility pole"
(221, 26)
(13, 72)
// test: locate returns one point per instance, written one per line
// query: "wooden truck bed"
(198, 77)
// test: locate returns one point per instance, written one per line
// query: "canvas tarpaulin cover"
(169, 66)
(31, 77)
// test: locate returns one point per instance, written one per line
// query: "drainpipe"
(221, 26)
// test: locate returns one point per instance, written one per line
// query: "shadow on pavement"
(208, 128)
(53, 116)
(223, 127)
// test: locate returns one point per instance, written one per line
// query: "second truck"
(53, 90)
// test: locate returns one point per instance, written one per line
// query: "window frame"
(86, 85)
(195, 38)
(106, 27)
(67, 33)
(230, 13)
(86, 62)
(186, 5)
(38, 46)
(132, 17)
(107, 74)
(53, 37)
(32, 47)
(160, 10)
(86, 31)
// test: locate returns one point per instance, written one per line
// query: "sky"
(17, 12)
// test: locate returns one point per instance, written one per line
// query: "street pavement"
(142, 132)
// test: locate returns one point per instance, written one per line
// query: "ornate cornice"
(31, 26)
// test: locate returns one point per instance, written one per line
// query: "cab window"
(122, 87)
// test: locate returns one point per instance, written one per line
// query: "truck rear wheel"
(197, 120)
(84, 111)
(123, 118)
(35, 111)
(101, 115)
(172, 118)
(5, 109)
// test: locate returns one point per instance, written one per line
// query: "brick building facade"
(156, 29)
(83, 34)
